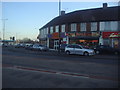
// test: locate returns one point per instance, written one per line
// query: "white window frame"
(51, 29)
(82, 26)
(63, 28)
(109, 26)
(94, 26)
(42, 32)
(114, 25)
(57, 28)
(47, 30)
(102, 26)
(73, 27)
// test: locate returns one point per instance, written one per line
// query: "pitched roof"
(88, 15)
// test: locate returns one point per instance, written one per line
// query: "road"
(32, 69)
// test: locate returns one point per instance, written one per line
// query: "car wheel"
(68, 52)
(97, 52)
(86, 54)
(116, 53)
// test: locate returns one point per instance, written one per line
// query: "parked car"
(78, 49)
(29, 47)
(5, 45)
(105, 49)
(20, 45)
(62, 47)
(39, 47)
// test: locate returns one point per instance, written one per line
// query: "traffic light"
(13, 38)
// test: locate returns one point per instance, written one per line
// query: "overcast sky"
(25, 18)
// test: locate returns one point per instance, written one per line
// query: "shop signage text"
(56, 35)
(93, 34)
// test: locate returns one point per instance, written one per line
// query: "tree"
(26, 40)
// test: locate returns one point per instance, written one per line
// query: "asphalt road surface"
(32, 69)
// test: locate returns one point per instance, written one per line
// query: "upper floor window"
(94, 26)
(41, 33)
(63, 28)
(47, 30)
(74, 27)
(83, 27)
(51, 30)
(57, 29)
(109, 26)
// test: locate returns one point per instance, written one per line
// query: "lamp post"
(4, 28)
(59, 7)
(59, 26)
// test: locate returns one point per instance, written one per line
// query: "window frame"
(83, 26)
(57, 28)
(73, 27)
(93, 26)
(51, 29)
(63, 28)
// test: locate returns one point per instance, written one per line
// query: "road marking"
(60, 73)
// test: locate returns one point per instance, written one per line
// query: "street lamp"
(59, 26)
(4, 28)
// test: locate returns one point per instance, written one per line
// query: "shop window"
(83, 27)
(73, 27)
(106, 42)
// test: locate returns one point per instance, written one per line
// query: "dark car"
(20, 45)
(62, 47)
(29, 47)
(105, 49)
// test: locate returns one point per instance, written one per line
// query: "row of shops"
(90, 39)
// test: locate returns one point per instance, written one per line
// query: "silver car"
(78, 49)
(39, 47)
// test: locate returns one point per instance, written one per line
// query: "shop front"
(88, 40)
(111, 38)
(55, 39)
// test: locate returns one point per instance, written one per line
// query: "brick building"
(87, 27)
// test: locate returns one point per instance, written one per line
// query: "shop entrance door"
(56, 44)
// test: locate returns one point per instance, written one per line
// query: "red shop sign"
(55, 35)
(111, 34)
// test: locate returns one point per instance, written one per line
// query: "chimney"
(104, 5)
(62, 12)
